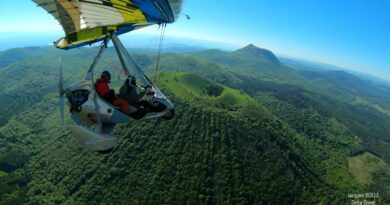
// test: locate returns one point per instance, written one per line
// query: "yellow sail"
(88, 21)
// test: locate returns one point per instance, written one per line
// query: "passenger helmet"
(106, 75)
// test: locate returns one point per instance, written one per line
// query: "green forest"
(248, 129)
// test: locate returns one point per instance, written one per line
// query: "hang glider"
(88, 21)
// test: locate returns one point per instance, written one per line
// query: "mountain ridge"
(253, 51)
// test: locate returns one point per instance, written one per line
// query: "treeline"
(202, 156)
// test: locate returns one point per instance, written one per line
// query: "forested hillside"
(248, 130)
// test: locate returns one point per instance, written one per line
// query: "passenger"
(103, 88)
(108, 94)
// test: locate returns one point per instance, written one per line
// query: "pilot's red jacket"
(101, 86)
(103, 90)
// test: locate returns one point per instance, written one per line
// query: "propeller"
(61, 92)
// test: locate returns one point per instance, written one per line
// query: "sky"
(353, 34)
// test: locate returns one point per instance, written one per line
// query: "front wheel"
(169, 116)
(107, 151)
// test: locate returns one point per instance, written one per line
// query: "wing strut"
(97, 58)
(127, 62)
(90, 77)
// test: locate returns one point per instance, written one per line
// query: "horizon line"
(225, 45)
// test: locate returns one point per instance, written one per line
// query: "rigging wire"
(158, 56)
(105, 62)
(149, 45)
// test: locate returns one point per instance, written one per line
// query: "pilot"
(108, 94)
(131, 92)
(133, 95)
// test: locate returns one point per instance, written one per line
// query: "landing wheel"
(169, 115)
(107, 151)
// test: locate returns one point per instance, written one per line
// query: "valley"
(248, 130)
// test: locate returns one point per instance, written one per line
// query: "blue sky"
(349, 33)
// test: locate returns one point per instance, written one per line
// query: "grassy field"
(363, 166)
(2, 173)
(190, 86)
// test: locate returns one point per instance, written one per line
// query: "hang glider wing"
(88, 21)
